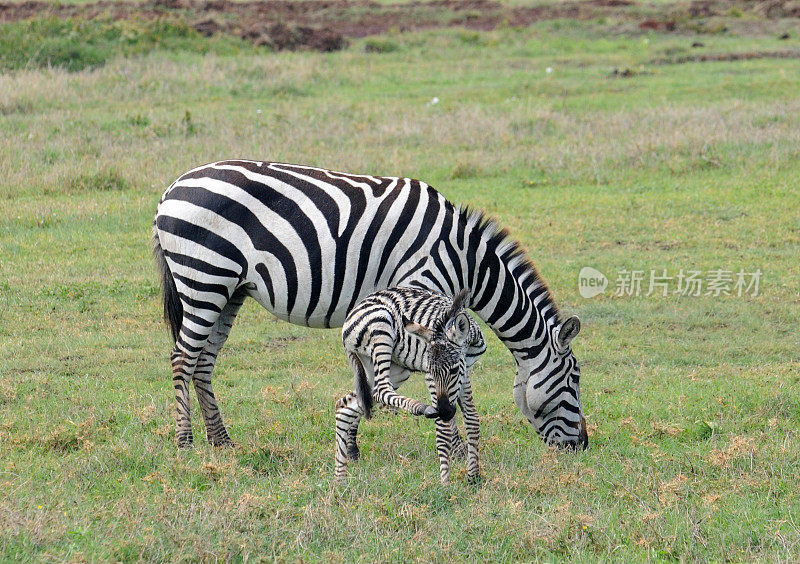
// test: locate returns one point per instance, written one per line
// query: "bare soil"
(326, 24)
(743, 56)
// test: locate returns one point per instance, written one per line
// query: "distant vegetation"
(78, 44)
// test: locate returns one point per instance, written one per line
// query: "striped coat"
(309, 243)
(393, 332)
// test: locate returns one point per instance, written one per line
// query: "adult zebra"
(308, 243)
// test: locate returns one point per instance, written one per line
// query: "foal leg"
(444, 444)
(216, 432)
(472, 425)
(444, 438)
(397, 375)
(473, 353)
(384, 392)
(348, 414)
(352, 445)
(459, 446)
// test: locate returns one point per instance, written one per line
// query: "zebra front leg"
(445, 432)
(384, 392)
(444, 444)
(472, 425)
(216, 432)
(348, 414)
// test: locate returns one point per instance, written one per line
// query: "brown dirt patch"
(326, 24)
(315, 24)
(771, 9)
(655, 25)
(744, 56)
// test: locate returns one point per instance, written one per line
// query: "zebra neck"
(474, 252)
(508, 294)
(522, 318)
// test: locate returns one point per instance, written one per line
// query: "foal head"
(446, 362)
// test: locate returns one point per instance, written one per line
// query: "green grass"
(693, 403)
(78, 44)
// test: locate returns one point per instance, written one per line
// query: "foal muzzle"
(446, 409)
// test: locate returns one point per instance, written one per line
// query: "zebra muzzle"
(446, 409)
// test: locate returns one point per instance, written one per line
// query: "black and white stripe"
(309, 243)
(393, 332)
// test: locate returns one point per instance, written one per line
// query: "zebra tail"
(361, 385)
(173, 308)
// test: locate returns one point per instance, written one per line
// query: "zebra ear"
(566, 332)
(459, 330)
(420, 331)
(460, 299)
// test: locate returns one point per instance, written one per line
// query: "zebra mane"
(510, 251)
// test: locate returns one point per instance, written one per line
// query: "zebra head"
(446, 363)
(547, 388)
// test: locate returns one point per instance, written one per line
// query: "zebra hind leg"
(363, 394)
(397, 376)
(189, 347)
(348, 414)
(216, 432)
(352, 446)
(183, 364)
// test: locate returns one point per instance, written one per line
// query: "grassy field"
(693, 402)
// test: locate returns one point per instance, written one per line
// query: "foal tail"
(361, 384)
(173, 308)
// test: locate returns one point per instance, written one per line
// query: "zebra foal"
(393, 332)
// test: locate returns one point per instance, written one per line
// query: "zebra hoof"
(474, 480)
(221, 442)
(185, 442)
(431, 412)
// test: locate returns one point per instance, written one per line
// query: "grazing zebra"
(309, 243)
(392, 332)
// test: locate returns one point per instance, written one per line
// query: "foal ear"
(567, 331)
(459, 330)
(460, 299)
(420, 331)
